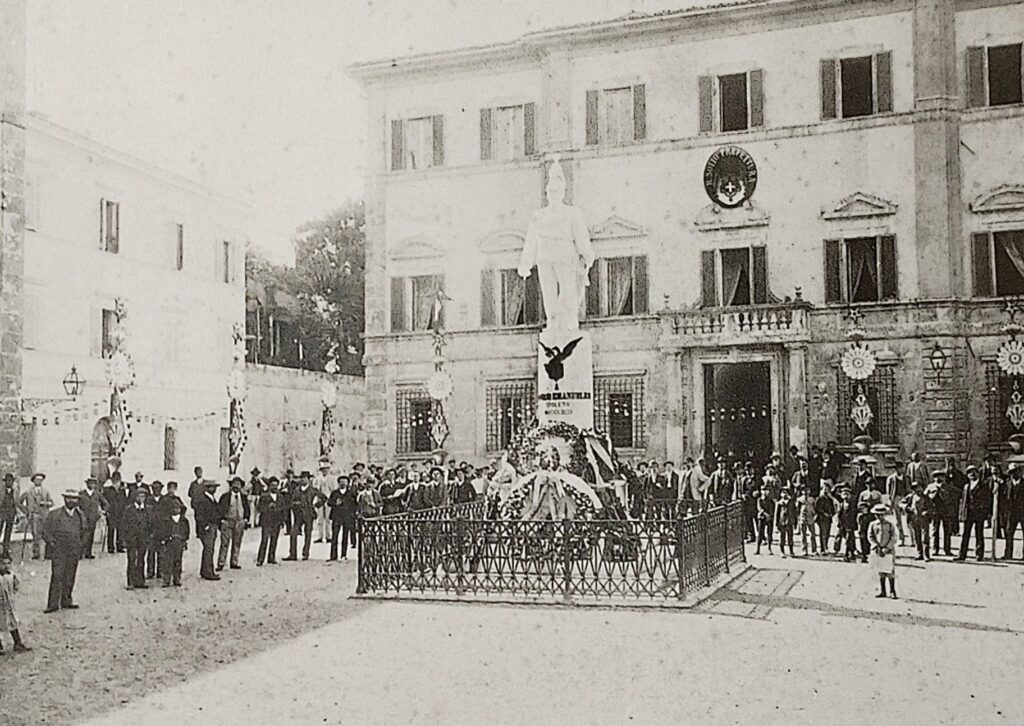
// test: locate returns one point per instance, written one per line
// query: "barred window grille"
(880, 392)
(619, 410)
(998, 392)
(510, 405)
(414, 415)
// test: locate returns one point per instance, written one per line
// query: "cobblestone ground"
(793, 641)
(123, 645)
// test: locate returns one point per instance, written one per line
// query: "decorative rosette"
(1010, 358)
(439, 385)
(858, 362)
(120, 370)
(236, 385)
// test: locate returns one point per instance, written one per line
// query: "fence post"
(361, 580)
(725, 528)
(707, 547)
(566, 561)
(460, 576)
(680, 558)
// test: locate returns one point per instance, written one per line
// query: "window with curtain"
(856, 86)
(616, 116)
(419, 143)
(618, 287)
(170, 448)
(998, 263)
(734, 276)
(224, 446)
(424, 296)
(861, 269)
(513, 298)
(509, 133)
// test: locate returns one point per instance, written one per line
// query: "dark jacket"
(91, 504)
(825, 507)
(63, 533)
(207, 514)
(165, 529)
(785, 513)
(225, 503)
(464, 492)
(135, 525)
(848, 515)
(342, 505)
(272, 512)
(976, 504)
(116, 500)
(305, 502)
(163, 507)
(10, 494)
(416, 498)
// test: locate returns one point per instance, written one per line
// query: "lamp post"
(937, 359)
(73, 383)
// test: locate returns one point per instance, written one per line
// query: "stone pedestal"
(565, 378)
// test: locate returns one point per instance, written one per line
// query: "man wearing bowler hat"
(975, 508)
(91, 504)
(62, 531)
(9, 496)
(234, 514)
(36, 503)
(207, 516)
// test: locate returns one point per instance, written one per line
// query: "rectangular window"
(616, 116)
(510, 406)
(734, 276)
(856, 86)
(414, 413)
(994, 75)
(27, 450)
(170, 449)
(618, 287)
(732, 94)
(109, 320)
(998, 263)
(414, 302)
(226, 266)
(417, 143)
(861, 269)
(520, 299)
(1000, 389)
(224, 457)
(879, 391)
(179, 247)
(619, 410)
(110, 226)
(508, 133)
(731, 102)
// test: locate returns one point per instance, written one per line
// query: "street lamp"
(73, 383)
(937, 359)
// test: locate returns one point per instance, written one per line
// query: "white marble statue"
(558, 243)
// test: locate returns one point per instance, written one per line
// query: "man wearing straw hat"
(322, 483)
(36, 503)
(63, 530)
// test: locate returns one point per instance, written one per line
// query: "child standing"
(8, 620)
(765, 515)
(882, 538)
(806, 505)
(785, 521)
(847, 524)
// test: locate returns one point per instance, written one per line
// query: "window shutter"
(398, 322)
(888, 273)
(708, 281)
(833, 273)
(529, 129)
(975, 77)
(592, 135)
(96, 332)
(828, 88)
(438, 140)
(117, 227)
(883, 82)
(594, 291)
(397, 146)
(532, 302)
(487, 298)
(755, 82)
(485, 134)
(639, 112)
(759, 272)
(103, 223)
(982, 264)
(640, 285)
(705, 92)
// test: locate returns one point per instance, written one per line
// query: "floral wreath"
(523, 454)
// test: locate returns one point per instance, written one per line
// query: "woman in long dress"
(882, 538)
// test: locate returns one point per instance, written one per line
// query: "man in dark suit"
(91, 504)
(171, 532)
(9, 497)
(136, 526)
(304, 502)
(171, 501)
(116, 500)
(154, 503)
(342, 507)
(975, 508)
(1013, 512)
(62, 532)
(197, 486)
(234, 516)
(207, 515)
(272, 509)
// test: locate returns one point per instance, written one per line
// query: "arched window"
(100, 449)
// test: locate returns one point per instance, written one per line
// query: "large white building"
(886, 141)
(101, 225)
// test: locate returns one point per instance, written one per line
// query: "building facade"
(751, 173)
(102, 226)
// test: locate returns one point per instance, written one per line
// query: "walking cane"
(24, 539)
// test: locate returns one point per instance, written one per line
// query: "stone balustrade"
(781, 322)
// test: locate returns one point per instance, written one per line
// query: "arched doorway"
(100, 449)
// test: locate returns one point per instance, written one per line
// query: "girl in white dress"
(882, 537)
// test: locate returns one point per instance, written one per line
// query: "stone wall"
(12, 226)
(283, 412)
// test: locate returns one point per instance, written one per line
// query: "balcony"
(747, 325)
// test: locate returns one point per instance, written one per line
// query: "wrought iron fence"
(463, 553)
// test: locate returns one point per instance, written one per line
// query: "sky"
(250, 97)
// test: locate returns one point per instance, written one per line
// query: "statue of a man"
(558, 243)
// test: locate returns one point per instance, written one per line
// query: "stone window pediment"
(713, 217)
(415, 248)
(858, 206)
(502, 240)
(1003, 198)
(615, 227)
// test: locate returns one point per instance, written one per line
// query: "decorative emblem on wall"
(858, 362)
(730, 176)
(861, 413)
(1015, 411)
(1010, 358)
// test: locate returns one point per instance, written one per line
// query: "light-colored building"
(101, 225)
(886, 138)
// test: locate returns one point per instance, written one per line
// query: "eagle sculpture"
(556, 357)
